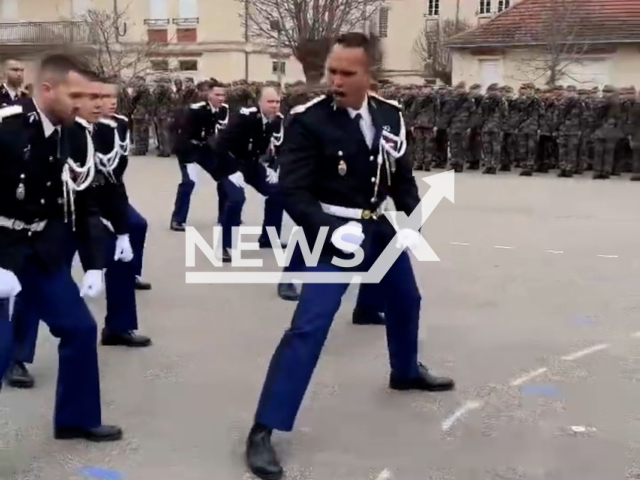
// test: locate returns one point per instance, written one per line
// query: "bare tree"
(431, 47)
(558, 44)
(110, 54)
(307, 28)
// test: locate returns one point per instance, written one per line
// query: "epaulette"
(248, 110)
(121, 117)
(390, 102)
(225, 106)
(197, 105)
(83, 122)
(109, 122)
(303, 107)
(9, 111)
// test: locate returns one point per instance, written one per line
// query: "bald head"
(269, 102)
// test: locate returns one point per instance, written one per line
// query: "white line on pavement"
(608, 256)
(527, 376)
(554, 251)
(586, 351)
(636, 335)
(503, 247)
(459, 413)
(460, 243)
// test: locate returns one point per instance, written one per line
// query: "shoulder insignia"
(248, 110)
(390, 102)
(197, 105)
(109, 122)
(83, 122)
(121, 117)
(303, 107)
(10, 111)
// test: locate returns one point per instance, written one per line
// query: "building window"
(186, 35)
(281, 64)
(188, 9)
(503, 4)
(188, 65)
(158, 9)
(383, 22)
(9, 9)
(160, 65)
(433, 8)
(485, 7)
(157, 35)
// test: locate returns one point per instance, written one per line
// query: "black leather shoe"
(367, 317)
(226, 255)
(425, 381)
(526, 173)
(128, 339)
(103, 433)
(177, 227)
(635, 177)
(142, 285)
(288, 292)
(18, 376)
(262, 460)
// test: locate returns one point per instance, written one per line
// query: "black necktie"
(356, 118)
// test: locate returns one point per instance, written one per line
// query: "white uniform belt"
(353, 213)
(13, 224)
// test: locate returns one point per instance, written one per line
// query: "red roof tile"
(535, 21)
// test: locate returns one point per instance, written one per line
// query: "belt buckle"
(18, 225)
(366, 214)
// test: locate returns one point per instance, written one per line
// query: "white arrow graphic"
(442, 186)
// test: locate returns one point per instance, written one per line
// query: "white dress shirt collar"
(47, 126)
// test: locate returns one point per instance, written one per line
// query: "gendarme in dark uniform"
(9, 97)
(238, 150)
(201, 121)
(332, 175)
(33, 235)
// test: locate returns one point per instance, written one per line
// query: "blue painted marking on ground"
(100, 473)
(541, 390)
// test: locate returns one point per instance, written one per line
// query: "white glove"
(238, 179)
(407, 238)
(9, 284)
(92, 283)
(348, 237)
(124, 252)
(272, 176)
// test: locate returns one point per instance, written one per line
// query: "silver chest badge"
(342, 168)
(20, 192)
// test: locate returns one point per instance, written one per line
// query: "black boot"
(262, 460)
(177, 226)
(362, 316)
(142, 285)
(18, 376)
(288, 291)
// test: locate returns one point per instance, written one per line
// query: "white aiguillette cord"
(388, 154)
(76, 178)
(107, 162)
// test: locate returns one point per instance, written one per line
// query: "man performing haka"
(333, 175)
(38, 209)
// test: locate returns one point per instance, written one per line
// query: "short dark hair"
(360, 40)
(61, 64)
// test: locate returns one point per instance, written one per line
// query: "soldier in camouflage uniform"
(607, 133)
(569, 122)
(624, 152)
(424, 113)
(585, 157)
(493, 113)
(546, 141)
(475, 136)
(459, 125)
(161, 115)
(445, 99)
(509, 143)
(142, 104)
(531, 109)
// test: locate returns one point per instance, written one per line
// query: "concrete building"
(581, 42)
(203, 38)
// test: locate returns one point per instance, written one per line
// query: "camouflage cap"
(571, 88)
(609, 89)
(494, 87)
(475, 86)
(583, 91)
(558, 88)
(460, 85)
(529, 86)
(508, 89)
(595, 89)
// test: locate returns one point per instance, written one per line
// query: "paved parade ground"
(532, 309)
